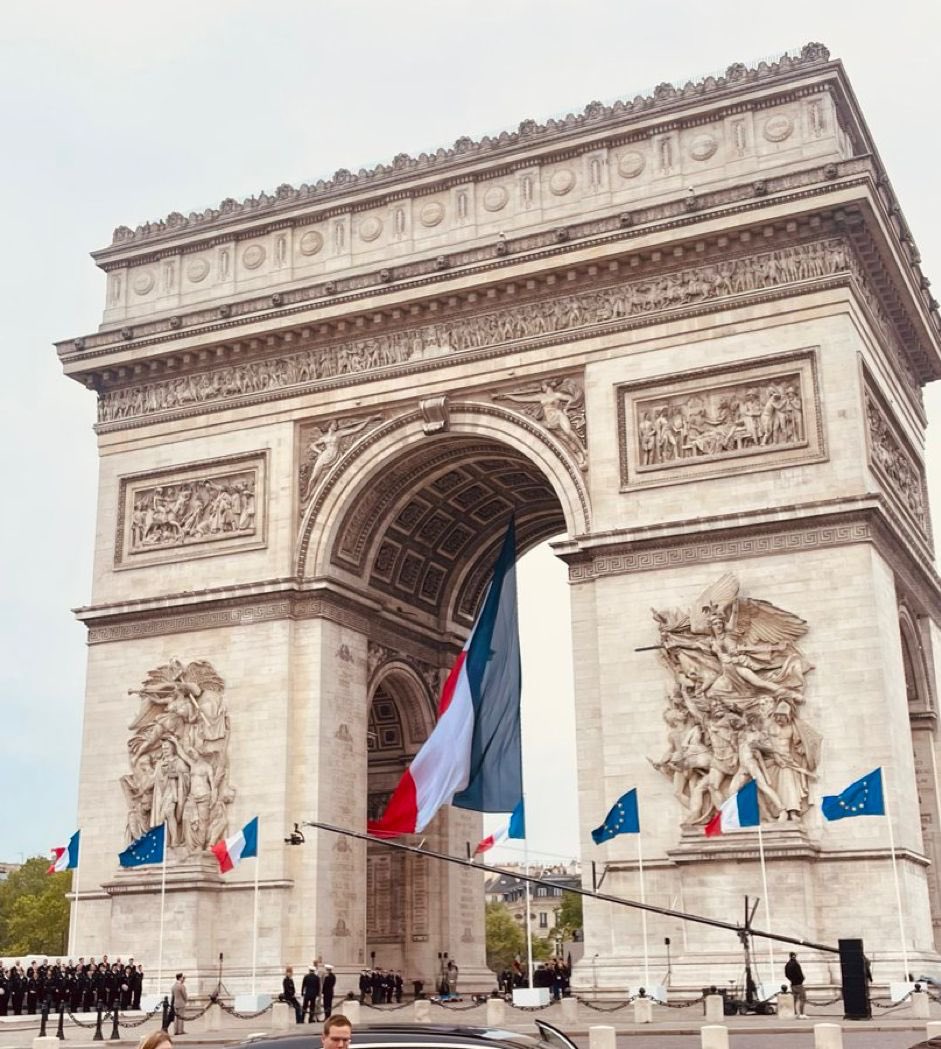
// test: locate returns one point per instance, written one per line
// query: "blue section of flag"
(747, 801)
(863, 798)
(624, 818)
(517, 828)
(250, 834)
(148, 848)
(495, 783)
(73, 851)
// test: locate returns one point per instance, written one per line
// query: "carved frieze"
(192, 511)
(752, 415)
(322, 445)
(735, 707)
(178, 756)
(378, 656)
(615, 307)
(893, 460)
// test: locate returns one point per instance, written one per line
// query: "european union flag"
(862, 798)
(624, 818)
(148, 848)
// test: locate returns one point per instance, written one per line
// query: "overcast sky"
(116, 113)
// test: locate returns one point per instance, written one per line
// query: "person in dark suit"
(310, 991)
(289, 994)
(32, 990)
(327, 988)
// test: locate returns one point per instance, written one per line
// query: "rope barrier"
(608, 1008)
(685, 1005)
(387, 1007)
(244, 1016)
(141, 1020)
(89, 1026)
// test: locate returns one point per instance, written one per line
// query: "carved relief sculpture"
(178, 753)
(559, 404)
(735, 708)
(323, 448)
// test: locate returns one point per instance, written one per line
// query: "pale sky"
(118, 113)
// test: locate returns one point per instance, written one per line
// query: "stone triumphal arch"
(688, 333)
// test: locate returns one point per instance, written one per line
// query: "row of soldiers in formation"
(380, 986)
(76, 986)
(555, 974)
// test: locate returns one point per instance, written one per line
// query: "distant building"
(6, 869)
(545, 900)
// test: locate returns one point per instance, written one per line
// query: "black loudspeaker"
(856, 1005)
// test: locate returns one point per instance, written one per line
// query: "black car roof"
(405, 1033)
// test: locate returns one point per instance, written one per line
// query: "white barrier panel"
(715, 1036)
(656, 991)
(530, 996)
(715, 1008)
(828, 1036)
(251, 1003)
(897, 991)
(601, 1036)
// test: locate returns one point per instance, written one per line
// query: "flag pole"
(764, 886)
(895, 874)
(255, 917)
(163, 897)
(73, 923)
(643, 914)
(529, 916)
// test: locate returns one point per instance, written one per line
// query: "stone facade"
(687, 331)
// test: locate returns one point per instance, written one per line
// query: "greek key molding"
(581, 315)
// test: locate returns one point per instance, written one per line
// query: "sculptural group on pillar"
(178, 753)
(735, 710)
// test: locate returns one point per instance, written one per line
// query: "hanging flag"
(241, 846)
(65, 857)
(862, 798)
(148, 848)
(472, 759)
(741, 810)
(516, 828)
(624, 818)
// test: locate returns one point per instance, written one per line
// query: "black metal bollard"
(44, 1016)
(60, 1032)
(165, 1021)
(115, 1035)
(98, 1036)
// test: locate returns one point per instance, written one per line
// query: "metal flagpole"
(529, 917)
(73, 923)
(255, 915)
(895, 874)
(163, 897)
(643, 914)
(764, 886)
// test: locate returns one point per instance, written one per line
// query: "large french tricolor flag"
(65, 857)
(240, 846)
(741, 810)
(472, 758)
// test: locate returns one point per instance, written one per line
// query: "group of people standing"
(380, 986)
(76, 986)
(555, 974)
(317, 989)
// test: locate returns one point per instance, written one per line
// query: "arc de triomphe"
(686, 334)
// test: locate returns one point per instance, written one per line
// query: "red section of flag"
(401, 811)
(57, 852)
(483, 846)
(714, 826)
(221, 852)
(447, 693)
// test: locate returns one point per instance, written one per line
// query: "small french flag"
(741, 810)
(65, 857)
(240, 846)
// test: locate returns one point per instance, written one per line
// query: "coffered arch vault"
(417, 518)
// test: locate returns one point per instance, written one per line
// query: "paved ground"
(672, 1029)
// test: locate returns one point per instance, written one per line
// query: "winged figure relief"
(734, 712)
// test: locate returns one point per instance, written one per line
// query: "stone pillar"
(569, 1010)
(282, 1016)
(828, 1036)
(920, 1003)
(715, 1008)
(602, 1036)
(785, 1006)
(496, 1012)
(350, 1009)
(933, 1029)
(422, 1009)
(643, 1010)
(50, 1042)
(715, 1036)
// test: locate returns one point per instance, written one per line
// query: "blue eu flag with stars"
(862, 798)
(624, 818)
(148, 848)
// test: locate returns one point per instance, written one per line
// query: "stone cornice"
(666, 104)
(762, 533)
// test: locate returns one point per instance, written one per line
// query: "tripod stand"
(220, 989)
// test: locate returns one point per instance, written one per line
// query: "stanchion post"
(43, 1018)
(60, 1031)
(165, 1020)
(98, 1036)
(115, 1034)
